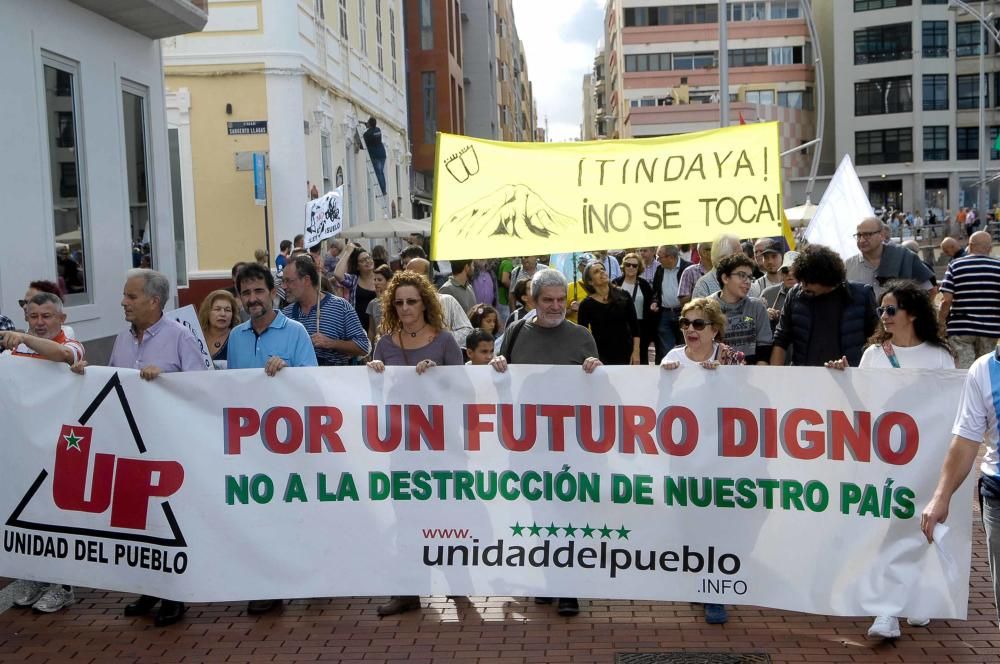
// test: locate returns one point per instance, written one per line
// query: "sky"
(560, 39)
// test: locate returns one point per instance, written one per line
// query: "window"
(868, 5)
(684, 61)
(935, 39)
(883, 43)
(392, 42)
(428, 86)
(994, 153)
(426, 27)
(747, 11)
(967, 87)
(935, 143)
(648, 62)
(785, 9)
(885, 146)
(748, 57)
(340, 176)
(378, 35)
(935, 92)
(135, 121)
(796, 99)
(363, 25)
(320, 10)
(967, 38)
(785, 55)
(883, 95)
(935, 2)
(637, 17)
(760, 97)
(325, 146)
(967, 142)
(342, 15)
(68, 200)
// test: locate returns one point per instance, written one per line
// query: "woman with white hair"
(722, 246)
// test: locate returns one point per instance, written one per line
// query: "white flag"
(844, 206)
(324, 216)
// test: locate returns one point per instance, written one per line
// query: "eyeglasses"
(634, 265)
(22, 303)
(412, 302)
(745, 276)
(866, 234)
(698, 324)
(889, 310)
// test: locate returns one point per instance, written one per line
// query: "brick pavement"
(482, 629)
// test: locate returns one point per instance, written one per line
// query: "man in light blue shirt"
(269, 340)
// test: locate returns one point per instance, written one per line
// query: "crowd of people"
(729, 302)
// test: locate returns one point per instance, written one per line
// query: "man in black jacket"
(666, 304)
(826, 317)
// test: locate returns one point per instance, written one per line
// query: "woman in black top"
(641, 292)
(609, 313)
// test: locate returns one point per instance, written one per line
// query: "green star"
(552, 528)
(570, 530)
(623, 532)
(517, 528)
(588, 531)
(534, 529)
(605, 532)
(72, 441)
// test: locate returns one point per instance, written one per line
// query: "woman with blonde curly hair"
(412, 329)
(219, 314)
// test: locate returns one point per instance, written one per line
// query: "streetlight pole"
(723, 64)
(983, 143)
(820, 96)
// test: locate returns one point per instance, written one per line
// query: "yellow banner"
(496, 199)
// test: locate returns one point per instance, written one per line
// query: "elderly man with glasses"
(666, 297)
(879, 262)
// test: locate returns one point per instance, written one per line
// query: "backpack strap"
(514, 331)
(891, 354)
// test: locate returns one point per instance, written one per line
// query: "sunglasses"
(630, 265)
(698, 324)
(22, 303)
(889, 310)
(410, 302)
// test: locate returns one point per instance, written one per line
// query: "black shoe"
(568, 607)
(141, 606)
(543, 600)
(169, 613)
(399, 604)
(259, 606)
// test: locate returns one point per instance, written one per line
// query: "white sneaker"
(55, 598)
(918, 622)
(884, 627)
(29, 592)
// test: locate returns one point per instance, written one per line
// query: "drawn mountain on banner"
(109, 429)
(513, 210)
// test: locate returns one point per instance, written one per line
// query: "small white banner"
(188, 317)
(792, 488)
(324, 216)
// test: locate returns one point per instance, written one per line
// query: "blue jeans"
(379, 166)
(668, 333)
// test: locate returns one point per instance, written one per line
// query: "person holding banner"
(704, 326)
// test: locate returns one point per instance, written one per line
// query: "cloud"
(560, 40)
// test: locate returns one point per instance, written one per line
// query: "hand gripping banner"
(496, 199)
(792, 488)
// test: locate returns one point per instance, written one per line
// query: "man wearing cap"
(767, 254)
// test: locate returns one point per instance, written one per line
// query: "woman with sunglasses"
(413, 335)
(609, 314)
(748, 326)
(642, 298)
(703, 325)
(908, 337)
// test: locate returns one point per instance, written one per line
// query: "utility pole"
(723, 64)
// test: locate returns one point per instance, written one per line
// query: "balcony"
(155, 19)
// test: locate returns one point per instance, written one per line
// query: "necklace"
(413, 335)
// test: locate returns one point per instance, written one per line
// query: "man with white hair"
(45, 340)
(153, 345)
(549, 338)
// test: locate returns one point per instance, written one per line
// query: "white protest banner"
(844, 205)
(188, 317)
(324, 216)
(794, 488)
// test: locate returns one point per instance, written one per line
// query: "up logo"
(125, 485)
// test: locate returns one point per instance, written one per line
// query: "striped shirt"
(338, 320)
(74, 346)
(974, 282)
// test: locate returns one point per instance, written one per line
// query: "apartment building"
(85, 177)
(294, 79)
(661, 70)
(905, 78)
